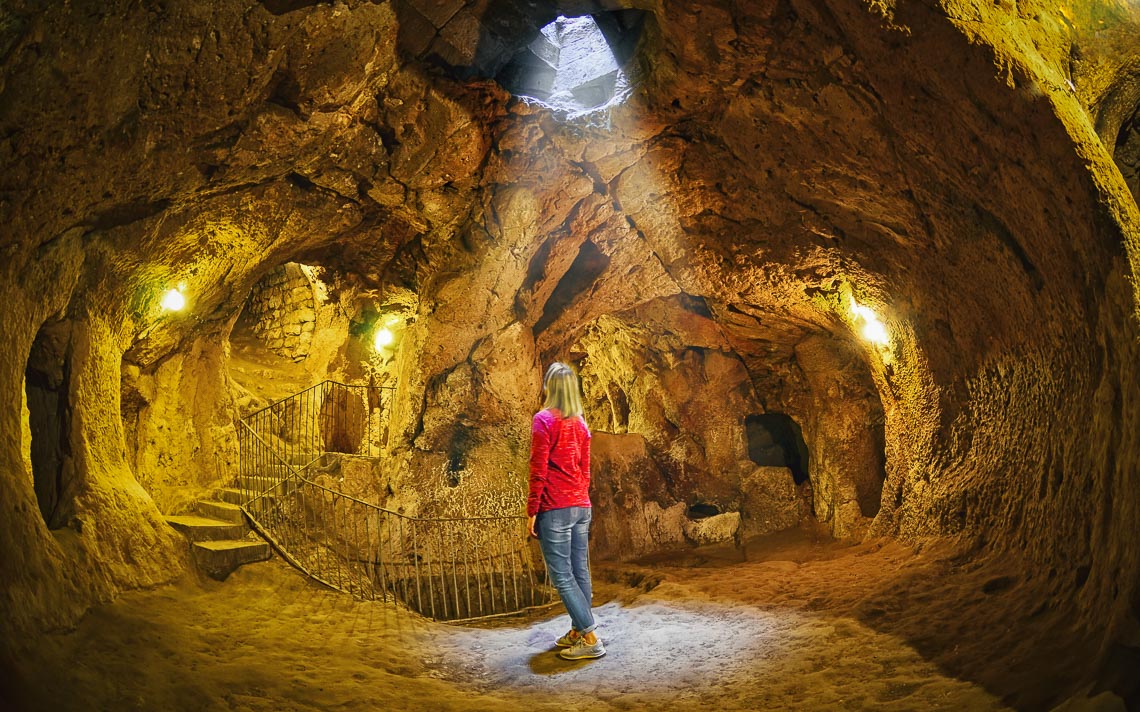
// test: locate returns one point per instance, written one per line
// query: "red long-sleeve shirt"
(559, 463)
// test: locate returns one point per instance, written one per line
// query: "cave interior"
(850, 288)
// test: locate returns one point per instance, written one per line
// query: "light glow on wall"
(384, 337)
(873, 329)
(173, 300)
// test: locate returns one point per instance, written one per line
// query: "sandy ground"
(788, 623)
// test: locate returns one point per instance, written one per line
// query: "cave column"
(844, 435)
(112, 511)
(34, 591)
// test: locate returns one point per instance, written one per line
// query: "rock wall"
(844, 432)
(104, 534)
(282, 311)
(634, 514)
(179, 423)
(688, 400)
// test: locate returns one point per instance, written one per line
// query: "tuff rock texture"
(282, 311)
(967, 170)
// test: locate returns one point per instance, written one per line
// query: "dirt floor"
(790, 622)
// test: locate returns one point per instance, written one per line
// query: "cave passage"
(280, 312)
(47, 382)
(775, 440)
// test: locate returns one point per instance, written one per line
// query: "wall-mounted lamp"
(384, 337)
(873, 329)
(174, 299)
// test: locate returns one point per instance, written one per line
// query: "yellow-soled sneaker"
(569, 639)
(581, 650)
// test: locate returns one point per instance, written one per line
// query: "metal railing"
(443, 568)
(329, 417)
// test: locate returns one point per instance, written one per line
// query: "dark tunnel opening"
(586, 268)
(775, 440)
(1126, 153)
(46, 382)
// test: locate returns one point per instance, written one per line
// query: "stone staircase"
(220, 539)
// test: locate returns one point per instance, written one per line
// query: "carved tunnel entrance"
(46, 382)
(775, 440)
(281, 311)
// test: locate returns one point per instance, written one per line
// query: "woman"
(559, 505)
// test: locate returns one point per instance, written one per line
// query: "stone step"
(239, 496)
(225, 511)
(219, 558)
(230, 495)
(255, 483)
(197, 528)
(278, 469)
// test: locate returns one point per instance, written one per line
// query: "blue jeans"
(565, 538)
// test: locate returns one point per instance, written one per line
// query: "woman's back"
(560, 461)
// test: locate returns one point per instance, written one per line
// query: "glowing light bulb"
(873, 329)
(384, 337)
(173, 300)
(876, 333)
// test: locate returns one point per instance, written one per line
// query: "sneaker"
(569, 639)
(581, 650)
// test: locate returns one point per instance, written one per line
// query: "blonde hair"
(561, 386)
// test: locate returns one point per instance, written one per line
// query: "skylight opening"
(578, 67)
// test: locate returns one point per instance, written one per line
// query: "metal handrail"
(280, 460)
(378, 508)
(446, 568)
(327, 381)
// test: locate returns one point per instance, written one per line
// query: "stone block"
(584, 54)
(222, 511)
(596, 91)
(458, 43)
(636, 519)
(542, 52)
(197, 528)
(416, 30)
(466, 43)
(529, 79)
(437, 12)
(712, 530)
(219, 558)
(771, 501)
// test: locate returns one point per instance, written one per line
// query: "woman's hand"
(530, 525)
